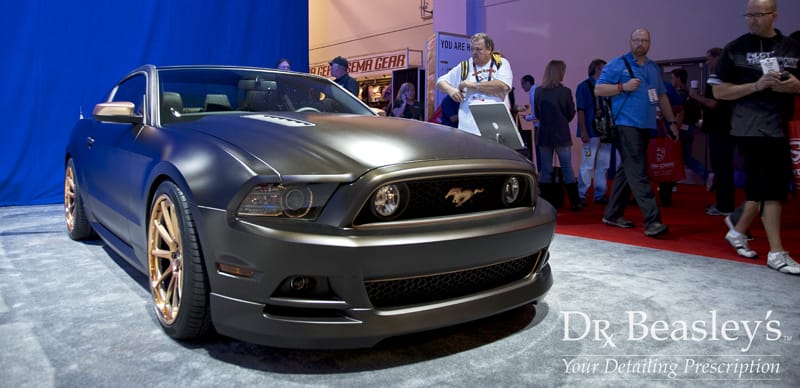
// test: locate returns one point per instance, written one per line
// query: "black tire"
(78, 226)
(172, 246)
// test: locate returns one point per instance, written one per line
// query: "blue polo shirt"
(633, 109)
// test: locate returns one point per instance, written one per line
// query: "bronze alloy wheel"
(165, 259)
(69, 198)
(176, 272)
(78, 227)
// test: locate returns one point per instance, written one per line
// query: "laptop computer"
(495, 123)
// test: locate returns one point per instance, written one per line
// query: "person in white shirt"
(485, 77)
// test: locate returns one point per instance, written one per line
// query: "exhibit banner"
(374, 64)
(444, 51)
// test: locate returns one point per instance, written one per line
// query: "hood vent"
(281, 120)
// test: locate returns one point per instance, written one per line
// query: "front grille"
(432, 288)
(429, 197)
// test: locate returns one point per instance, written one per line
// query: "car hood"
(322, 143)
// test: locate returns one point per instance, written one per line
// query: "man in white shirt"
(485, 77)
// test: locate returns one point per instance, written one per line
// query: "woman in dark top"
(406, 104)
(555, 108)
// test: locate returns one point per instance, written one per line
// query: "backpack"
(496, 59)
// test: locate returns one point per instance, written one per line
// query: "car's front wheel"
(78, 226)
(177, 277)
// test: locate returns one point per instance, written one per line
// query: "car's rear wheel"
(78, 226)
(177, 277)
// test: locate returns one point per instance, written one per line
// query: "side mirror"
(116, 112)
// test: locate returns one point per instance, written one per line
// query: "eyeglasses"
(757, 14)
(640, 40)
(477, 49)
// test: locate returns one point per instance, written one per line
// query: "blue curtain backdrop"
(60, 58)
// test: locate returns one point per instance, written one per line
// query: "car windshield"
(189, 94)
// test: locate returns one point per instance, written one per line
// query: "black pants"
(721, 146)
(631, 177)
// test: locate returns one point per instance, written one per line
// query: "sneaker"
(655, 229)
(619, 222)
(782, 262)
(601, 201)
(739, 242)
(712, 210)
(731, 226)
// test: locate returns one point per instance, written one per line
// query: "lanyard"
(475, 71)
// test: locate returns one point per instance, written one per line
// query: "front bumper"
(258, 308)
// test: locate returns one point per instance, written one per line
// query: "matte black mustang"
(278, 209)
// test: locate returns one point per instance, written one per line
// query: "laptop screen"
(496, 124)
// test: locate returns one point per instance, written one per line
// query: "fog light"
(511, 190)
(300, 283)
(386, 201)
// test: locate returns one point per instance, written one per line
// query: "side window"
(133, 90)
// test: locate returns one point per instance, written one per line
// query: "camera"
(605, 128)
(600, 124)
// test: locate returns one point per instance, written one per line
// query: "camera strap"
(601, 104)
(627, 94)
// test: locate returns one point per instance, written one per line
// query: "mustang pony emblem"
(460, 196)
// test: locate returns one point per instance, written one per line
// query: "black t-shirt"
(348, 83)
(765, 113)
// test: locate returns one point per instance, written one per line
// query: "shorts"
(767, 167)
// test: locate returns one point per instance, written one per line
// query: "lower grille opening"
(297, 312)
(432, 288)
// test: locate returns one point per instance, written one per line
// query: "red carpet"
(690, 229)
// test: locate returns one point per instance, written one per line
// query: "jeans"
(564, 158)
(631, 177)
(594, 163)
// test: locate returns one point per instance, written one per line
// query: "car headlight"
(511, 190)
(388, 201)
(279, 201)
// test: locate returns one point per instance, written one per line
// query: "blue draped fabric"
(61, 57)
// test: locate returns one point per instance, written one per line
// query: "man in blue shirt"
(529, 86)
(634, 84)
(449, 112)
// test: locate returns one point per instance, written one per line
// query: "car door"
(108, 159)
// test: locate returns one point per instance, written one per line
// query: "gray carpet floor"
(74, 314)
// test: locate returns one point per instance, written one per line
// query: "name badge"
(651, 93)
(770, 65)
